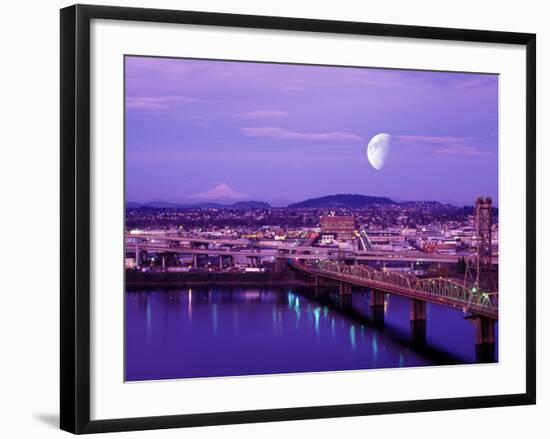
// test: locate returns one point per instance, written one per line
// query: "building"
(337, 227)
(385, 237)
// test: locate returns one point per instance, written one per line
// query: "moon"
(378, 150)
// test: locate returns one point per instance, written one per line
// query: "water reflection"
(317, 314)
(190, 304)
(214, 309)
(352, 336)
(203, 332)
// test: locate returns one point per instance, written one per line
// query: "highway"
(184, 245)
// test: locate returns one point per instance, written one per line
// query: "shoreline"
(144, 284)
(137, 279)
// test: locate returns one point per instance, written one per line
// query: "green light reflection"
(352, 336)
(317, 315)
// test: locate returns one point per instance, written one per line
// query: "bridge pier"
(485, 353)
(485, 330)
(377, 315)
(418, 310)
(167, 260)
(376, 298)
(418, 321)
(280, 264)
(377, 307)
(344, 288)
(418, 331)
(138, 257)
(195, 260)
(254, 261)
(225, 261)
(484, 339)
(345, 302)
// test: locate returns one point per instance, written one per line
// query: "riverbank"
(138, 279)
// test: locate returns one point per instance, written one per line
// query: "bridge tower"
(479, 268)
(479, 274)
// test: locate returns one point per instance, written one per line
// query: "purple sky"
(217, 130)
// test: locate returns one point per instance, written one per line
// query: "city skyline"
(201, 130)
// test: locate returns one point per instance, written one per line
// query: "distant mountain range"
(341, 200)
(326, 202)
(242, 205)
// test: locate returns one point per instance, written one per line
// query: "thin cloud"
(444, 144)
(424, 80)
(282, 134)
(462, 150)
(158, 103)
(263, 114)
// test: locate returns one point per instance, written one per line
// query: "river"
(213, 332)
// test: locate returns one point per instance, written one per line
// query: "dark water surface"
(208, 332)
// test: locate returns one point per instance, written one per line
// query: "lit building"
(385, 237)
(337, 227)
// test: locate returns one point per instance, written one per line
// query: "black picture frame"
(75, 217)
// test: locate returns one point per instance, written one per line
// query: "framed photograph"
(268, 218)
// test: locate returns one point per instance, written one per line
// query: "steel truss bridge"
(440, 291)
